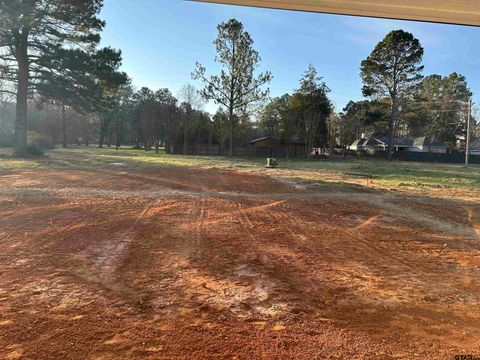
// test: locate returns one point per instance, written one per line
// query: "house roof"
(437, 143)
(293, 140)
(358, 142)
(418, 142)
(407, 142)
(254, 141)
(421, 141)
(475, 145)
(371, 141)
(424, 141)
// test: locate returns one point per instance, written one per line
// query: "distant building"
(357, 145)
(475, 148)
(424, 144)
(270, 146)
(419, 144)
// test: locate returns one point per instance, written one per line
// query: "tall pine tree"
(40, 43)
(236, 87)
(393, 70)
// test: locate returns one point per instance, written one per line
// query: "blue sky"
(162, 39)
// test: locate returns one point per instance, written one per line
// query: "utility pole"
(467, 148)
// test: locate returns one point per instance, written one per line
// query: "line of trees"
(303, 115)
(144, 119)
(436, 108)
(402, 101)
(59, 85)
(49, 52)
(64, 88)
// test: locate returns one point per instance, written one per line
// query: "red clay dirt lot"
(184, 263)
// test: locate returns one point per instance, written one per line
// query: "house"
(266, 141)
(475, 148)
(424, 144)
(358, 144)
(271, 146)
(418, 144)
(367, 144)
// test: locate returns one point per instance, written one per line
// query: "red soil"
(180, 263)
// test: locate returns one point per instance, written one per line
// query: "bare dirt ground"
(182, 263)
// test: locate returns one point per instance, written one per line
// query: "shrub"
(38, 143)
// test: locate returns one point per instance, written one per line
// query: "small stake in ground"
(271, 163)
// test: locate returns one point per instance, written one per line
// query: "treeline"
(50, 55)
(143, 119)
(58, 87)
(400, 102)
(437, 108)
(304, 116)
(147, 119)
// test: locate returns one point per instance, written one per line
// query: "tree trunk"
(209, 143)
(105, 137)
(230, 132)
(109, 140)
(393, 125)
(101, 135)
(22, 93)
(117, 134)
(64, 128)
(185, 144)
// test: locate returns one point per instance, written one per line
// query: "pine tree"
(393, 70)
(45, 41)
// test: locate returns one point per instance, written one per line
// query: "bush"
(7, 134)
(38, 143)
(6, 139)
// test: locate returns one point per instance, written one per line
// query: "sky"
(161, 40)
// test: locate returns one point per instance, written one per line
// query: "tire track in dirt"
(312, 251)
(255, 293)
(200, 221)
(383, 201)
(387, 202)
(104, 265)
(114, 251)
(354, 234)
(64, 229)
(361, 291)
(407, 273)
(249, 227)
(361, 243)
(196, 215)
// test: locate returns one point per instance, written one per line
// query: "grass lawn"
(382, 173)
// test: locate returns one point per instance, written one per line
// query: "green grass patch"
(382, 172)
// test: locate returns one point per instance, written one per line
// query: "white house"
(424, 144)
(475, 148)
(419, 144)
